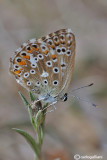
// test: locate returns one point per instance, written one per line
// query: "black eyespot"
(40, 56)
(37, 83)
(68, 52)
(45, 81)
(58, 50)
(62, 37)
(28, 48)
(28, 83)
(33, 65)
(49, 42)
(55, 82)
(32, 71)
(19, 60)
(63, 65)
(63, 49)
(56, 39)
(49, 63)
(16, 66)
(34, 45)
(43, 47)
(26, 74)
(56, 70)
(23, 54)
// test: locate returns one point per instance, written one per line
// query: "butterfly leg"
(52, 104)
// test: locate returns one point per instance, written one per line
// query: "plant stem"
(37, 114)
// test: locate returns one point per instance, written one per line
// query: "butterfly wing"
(45, 65)
(62, 54)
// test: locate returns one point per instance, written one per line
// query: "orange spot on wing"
(54, 56)
(45, 52)
(22, 62)
(27, 57)
(52, 46)
(36, 49)
(17, 71)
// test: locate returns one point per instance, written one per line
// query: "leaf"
(39, 118)
(30, 140)
(42, 134)
(32, 97)
(24, 99)
(29, 109)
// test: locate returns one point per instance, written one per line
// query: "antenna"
(89, 85)
(93, 104)
(79, 98)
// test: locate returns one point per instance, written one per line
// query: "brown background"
(75, 127)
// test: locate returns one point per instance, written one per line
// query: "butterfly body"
(45, 66)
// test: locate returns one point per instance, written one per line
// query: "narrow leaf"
(39, 118)
(42, 134)
(24, 99)
(32, 97)
(29, 109)
(29, 139)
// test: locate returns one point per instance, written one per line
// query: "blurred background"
(75, 127)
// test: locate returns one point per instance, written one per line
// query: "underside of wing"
(45, 65)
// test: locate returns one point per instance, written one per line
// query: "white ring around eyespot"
(54, 82)
(55, 38)
(46, 82)
(16, 67)
(43, 46)
(33, 65)
(67, 52)
(49, 40)
(49, 65)
(58, 50)
(26, 75)
(17, 58)
(57, 70)
(28, 83)
(62, 35)
(22, 53)
(40, 57)
(62, 50)
(32, 72)
(36, 59)
(38, 83)
(69, 36)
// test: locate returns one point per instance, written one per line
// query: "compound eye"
(64, 98)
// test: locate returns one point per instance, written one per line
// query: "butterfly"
(45, 66)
